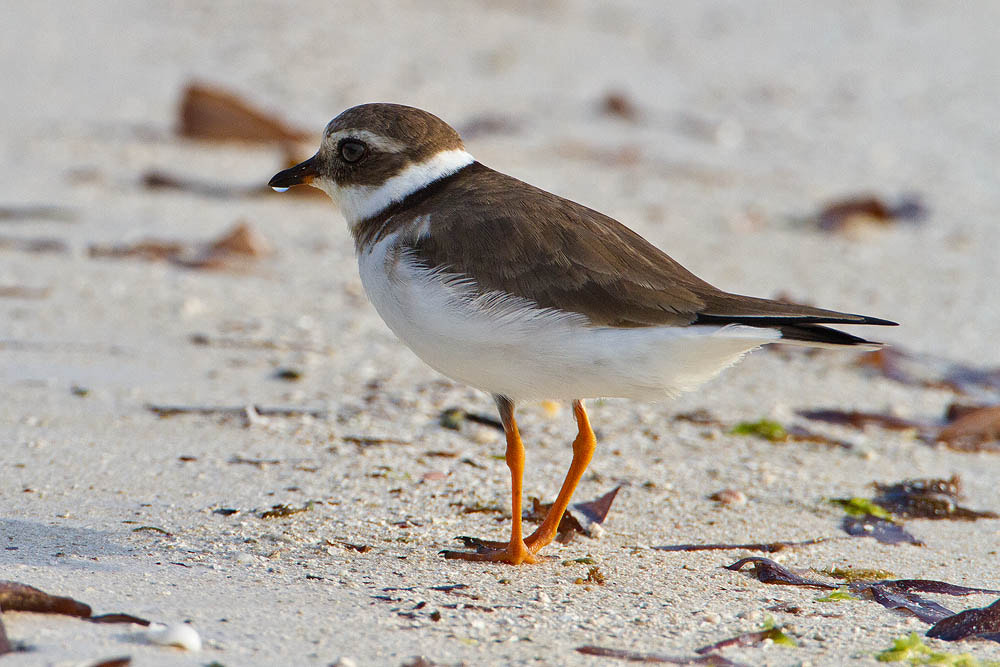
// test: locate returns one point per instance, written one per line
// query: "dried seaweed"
(231, 251)
(770, 572)
(891, 596)
(372, 440)
(478, 508)
(235, 411)
(964, 428)
(118, 618)
(971, 429)
(454, 589)
(928, 499)
(281, 511)
(914, 498)
(257, 463)
(775, 432)
(857, 574)
(901, 594)
(885, 531)
(983, 622)
(634, 656)
(766, 547)
(923, 370)
(700, 416)
(928, 586)
(866, 518)
(452, 418)
(859, 419)
(15, 596)
(770, 631)
(846, 214)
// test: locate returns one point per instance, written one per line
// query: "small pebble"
(485, 436)
(180, 635)
(344, 662)
(729, 497)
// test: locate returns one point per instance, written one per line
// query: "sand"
(748, 117)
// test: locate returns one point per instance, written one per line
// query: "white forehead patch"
(358, 202)
(376, 141)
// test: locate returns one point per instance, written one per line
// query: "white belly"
(506, 345)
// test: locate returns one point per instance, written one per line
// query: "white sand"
(750, 114)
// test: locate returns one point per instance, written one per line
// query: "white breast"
(507, 345)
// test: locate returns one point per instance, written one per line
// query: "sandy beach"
(235, 441)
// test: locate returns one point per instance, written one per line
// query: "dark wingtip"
(814, 334)
(877, 321)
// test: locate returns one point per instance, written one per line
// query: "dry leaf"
(208, 112)
(975, 430)
(20, 597)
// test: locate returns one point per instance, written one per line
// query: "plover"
(523, 294)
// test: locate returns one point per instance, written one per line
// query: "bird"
(526, 295)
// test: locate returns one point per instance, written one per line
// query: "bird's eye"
(352, 150)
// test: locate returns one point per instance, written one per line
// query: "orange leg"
(583, 451)
(515, 551)
(519, 550)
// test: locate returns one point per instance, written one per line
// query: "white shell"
(180, 635)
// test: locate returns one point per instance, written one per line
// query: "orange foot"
(512, 553)
(524, 550)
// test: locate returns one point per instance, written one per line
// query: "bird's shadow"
(39, 544)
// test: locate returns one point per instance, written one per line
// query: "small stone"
(729, 497)
(484, 436)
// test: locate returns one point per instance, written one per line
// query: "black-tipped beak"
(301, 174)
